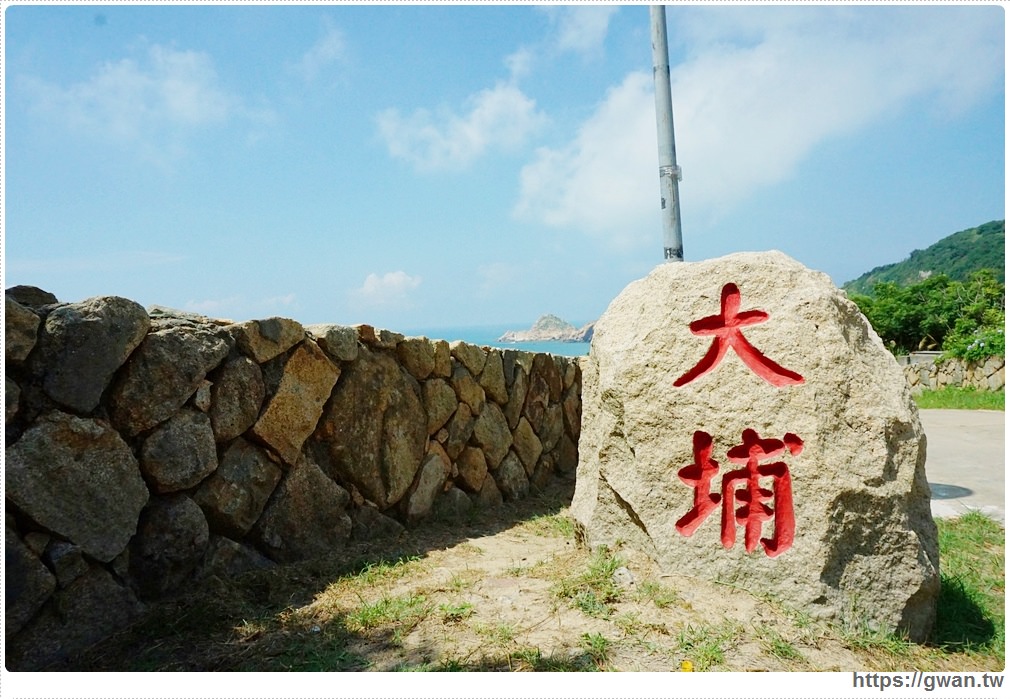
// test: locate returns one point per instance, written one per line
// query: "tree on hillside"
(964, 319)
(957, 256)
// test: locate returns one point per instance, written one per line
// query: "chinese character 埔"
(726, 329)
(743, 487)
(699, 476)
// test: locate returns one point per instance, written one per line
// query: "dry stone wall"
(147, 450)
(986, 375)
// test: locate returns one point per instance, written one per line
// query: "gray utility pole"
(669, 172)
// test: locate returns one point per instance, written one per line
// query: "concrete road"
(965, 461)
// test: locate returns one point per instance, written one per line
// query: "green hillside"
(956, 256)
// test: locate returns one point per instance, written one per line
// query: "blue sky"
(418, 167)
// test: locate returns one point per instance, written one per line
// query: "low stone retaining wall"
(146, 451)
(930, 372)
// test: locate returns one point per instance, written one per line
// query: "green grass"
(359, 614)
(971, 616)
(461, 583)
(522, 659)
(593, 591)
(705, 645)
(552, 525)
(661, 595)
(954, 398)
(534, 659)
(373, 573)
(452, 613)
(880, 644)
(597, 647)
(405, 610)
(776, 645)
(501, 634)
(325, 651)
(970, 611)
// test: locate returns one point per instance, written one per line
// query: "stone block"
(170, 544)
(470, 356)
(440, 403)
(292, 412)
(164, 372)
(306, 518)
(268, 338)
(179, 453)
(417, 355)
(750, 386)
(511, 478)
(27, 583)
(373, 431)
(78, 478)
(237, 394)
(81, 345)
(340, 342)
(492, 378)
(234, 496)
(20, 331)
(491, 433)
(472, 468)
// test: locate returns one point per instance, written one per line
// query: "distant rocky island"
(550, 328)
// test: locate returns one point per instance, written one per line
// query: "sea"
(487, 336)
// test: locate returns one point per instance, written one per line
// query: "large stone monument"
(742, 422)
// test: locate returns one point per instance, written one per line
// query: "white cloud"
(747, 116)
(390, 289)
(519, 63)
(111, 262)
(495, 276)
(240, 306)
(758, 91)
(501, 117)
(329, 49)
(148, 104)
(581, 28)
(283, 301)
(604, 179)
(215, 307)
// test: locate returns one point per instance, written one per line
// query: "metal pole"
(669, 172)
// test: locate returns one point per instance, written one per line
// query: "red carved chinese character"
(699, 476)
(743, 487)
(754, 512)
(726, 327)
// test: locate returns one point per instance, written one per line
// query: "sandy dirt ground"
(510, 590)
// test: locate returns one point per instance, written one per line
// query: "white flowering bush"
(984, 343)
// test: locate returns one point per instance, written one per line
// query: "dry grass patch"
(514, 592)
